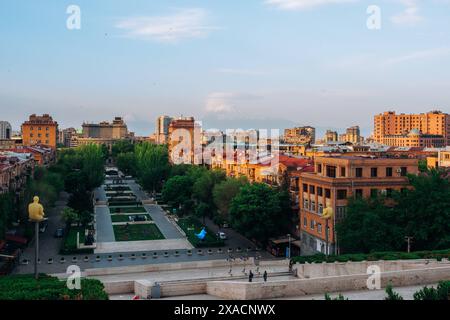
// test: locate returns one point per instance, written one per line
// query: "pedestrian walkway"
(149, 245)
(105, 231)
(165, 226)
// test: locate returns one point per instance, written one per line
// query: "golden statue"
(327, 213)
(36, 210)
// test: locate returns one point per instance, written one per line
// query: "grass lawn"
(192, 226)
(124, 203)
(69, 245)
(128, 210)
(137, 232)
(125, 218)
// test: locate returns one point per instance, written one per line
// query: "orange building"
(411, 130)
(40, 130)
(336, 179)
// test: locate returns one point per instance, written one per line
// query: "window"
(305, 222)
(342, 194)
(312, 189)
(39, 135)
(331, 171)
(340, 212)
(359, 193)
(39, 128)
(359, 172)
(313, 206)
(342, 171)
(373, 193)
(319, 228)
(46, 135)
(306, 204)
(320, 208)
(403, 171)
(31, 135)
(374, 172)
(319, 191)
(312, 223)
(389, 172)
(327, 193)
(319, 168)
(305, 187)
(46, 128)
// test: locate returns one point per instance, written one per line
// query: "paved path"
(105, 231)
(136, 246)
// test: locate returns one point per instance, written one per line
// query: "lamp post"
(36, 215)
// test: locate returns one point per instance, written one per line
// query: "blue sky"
(232, 64)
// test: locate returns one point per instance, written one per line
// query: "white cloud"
(226, 102)
(424, 54)
(183, 24)
(303, 4)
(410, 16)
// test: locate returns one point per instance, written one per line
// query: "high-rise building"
(300, 135)
(40, 130)
(392, 129)
(67, 136)
(5, 130)
(162, 129)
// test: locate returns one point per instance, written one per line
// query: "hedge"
(25, 287)
(374, 256)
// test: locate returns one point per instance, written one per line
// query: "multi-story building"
(15, 168)
(390, 128)
(5, 130)
(184, 141)
(415, 138)
(40, 130)
(331, 136)
(162, 129)
(67, 137)
(300, 135)
(104, 133)
(440, 160)
(336, 179)
(352, 135)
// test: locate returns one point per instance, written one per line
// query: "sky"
(232, 64)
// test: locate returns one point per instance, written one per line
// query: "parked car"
(59, 233)
(221, 235)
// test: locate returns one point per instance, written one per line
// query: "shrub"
(391, 294)
(442, 292)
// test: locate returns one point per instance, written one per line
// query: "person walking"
(265, 276)
(250, 276)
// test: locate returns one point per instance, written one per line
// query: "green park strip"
(25, 287)
(132, 209)
(191, 227)
(126, 217)
(137, 232)
(69, 245)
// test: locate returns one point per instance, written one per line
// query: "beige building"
(105, 133)
(300, 135)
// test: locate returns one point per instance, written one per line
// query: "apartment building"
(15, 168)
(393, 129)
(40, 130)
(334, 180)
(300, 135)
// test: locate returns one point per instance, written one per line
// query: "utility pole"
(409, 240)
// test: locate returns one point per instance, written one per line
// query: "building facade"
(334, 180)
(300, 135)
(103, 133)
(389, 125)
(5, 130)
(162, 129)
(352, 135)
(181, 141)
(40, 130)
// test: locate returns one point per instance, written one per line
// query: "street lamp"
(36, 215)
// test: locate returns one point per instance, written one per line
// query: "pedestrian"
(265, 276)
(250, 276)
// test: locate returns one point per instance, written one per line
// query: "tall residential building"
(393, 129)
(300, 135)
(40, 130)
(352, 135)
(162, 129)
(331, 136)
(5, 130)
(334, 180)
(181, 140)
(67, 136)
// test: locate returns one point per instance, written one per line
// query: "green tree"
(223, 193)
(257, 212)
(92, 165)
(126, 162)
(120, 147)
(177, 192)
(152, 163)
(391, 294)
(70, 216)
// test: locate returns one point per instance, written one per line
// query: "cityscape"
(236, 203)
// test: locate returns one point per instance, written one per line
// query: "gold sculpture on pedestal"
(327, 213)
(36, 210)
